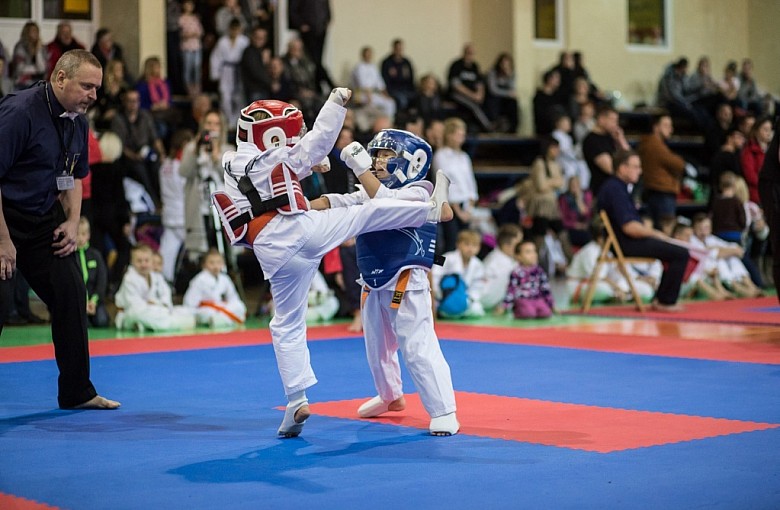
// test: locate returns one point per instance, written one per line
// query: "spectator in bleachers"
(566, 75)
(634, 237)
(662, 170)
(434, 134)
(29, 63)
(600, 144)
(467, 89)
(311, 19)
(580, 96)
(703, 87)
(499, 264)
(174, 67)
(191, 48)
(224, 66)
(576, 209)
(254, 67)
(456, 164)
(230, 10)
(429, 99)
(580, 72)
(754, 239)
(745, 123)
(340, 179)
(109, 101)
(727, 159)
(752, 155)
(280, 86)
(547, 178)
(569, 156)
(301, 71)
(105, 49)
(261, 13)
(398, 74)
(63, 41)
(546, 105)
(142, 147)
(729, 215)
(729, 85)
(155, 95)
(368, 87)
(501, 97)
(201, 166)
(199, 107)
(749, 95)
(583, 124)
(716, 135)
(674, 95)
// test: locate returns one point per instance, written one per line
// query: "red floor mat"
(575, 426)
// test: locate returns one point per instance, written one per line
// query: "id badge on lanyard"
(65, 180)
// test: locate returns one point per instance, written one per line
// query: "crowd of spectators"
(220, 59)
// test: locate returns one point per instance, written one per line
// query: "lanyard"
(61, 135)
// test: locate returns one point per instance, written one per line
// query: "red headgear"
(269, 123)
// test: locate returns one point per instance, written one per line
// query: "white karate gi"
(367, 83)
(147, 304)
(473, 276)
(498, 269)
(215, 300)
(581, 268)
(730, 269)
(224, 65)
(172, 196)
(291, 246)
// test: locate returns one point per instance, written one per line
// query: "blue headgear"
(412, 156)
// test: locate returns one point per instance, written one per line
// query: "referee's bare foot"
(98, 402)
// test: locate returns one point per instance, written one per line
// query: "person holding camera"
(201, 166)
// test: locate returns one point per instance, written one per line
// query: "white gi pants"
(409, 327)
(310, 236)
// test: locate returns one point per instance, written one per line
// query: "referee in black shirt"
(43, 157)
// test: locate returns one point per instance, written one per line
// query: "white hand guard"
(356, 158)
(340, 96)
(322, 167)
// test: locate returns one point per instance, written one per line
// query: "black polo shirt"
(33, 145)
(615, 199)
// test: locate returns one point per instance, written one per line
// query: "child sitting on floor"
(529, 294)
(213, 296)
(144, 298)
(464, 263)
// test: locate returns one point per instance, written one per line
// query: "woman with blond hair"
(28, 64)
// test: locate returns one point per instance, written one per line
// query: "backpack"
(454, 301)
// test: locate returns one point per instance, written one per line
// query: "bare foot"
(357, 324)
(658, 307)
(98, 402)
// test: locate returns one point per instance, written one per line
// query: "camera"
(205, 141)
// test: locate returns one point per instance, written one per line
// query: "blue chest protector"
(381, 255)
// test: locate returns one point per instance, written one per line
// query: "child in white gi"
(396, 301)
(323, 303)
(213, 296)
(464, 262)
(263, 207)
(144, 298)
(499, 264)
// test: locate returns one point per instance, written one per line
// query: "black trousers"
(769, 191)
(675, 259)
(59, 283)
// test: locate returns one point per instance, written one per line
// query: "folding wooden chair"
(611, 252)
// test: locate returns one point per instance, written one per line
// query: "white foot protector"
(446, 425)
(373, 407)
(291, 427)
(439, 196)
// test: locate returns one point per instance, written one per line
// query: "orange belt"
(398, 293)
(215, 306)
(257, 224)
